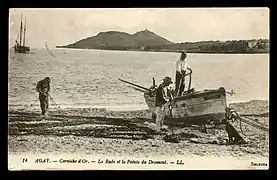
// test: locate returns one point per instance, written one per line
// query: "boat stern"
(207, 105)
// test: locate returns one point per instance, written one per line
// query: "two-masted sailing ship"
(21, 47)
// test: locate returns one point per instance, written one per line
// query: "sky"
(65, 26)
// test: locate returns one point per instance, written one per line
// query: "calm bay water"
(89, 78)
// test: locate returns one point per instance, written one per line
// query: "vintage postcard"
(138, 89)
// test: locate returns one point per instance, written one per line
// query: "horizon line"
(176, 42)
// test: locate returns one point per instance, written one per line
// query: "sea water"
(89, 78)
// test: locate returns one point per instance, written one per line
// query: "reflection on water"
(90, 77)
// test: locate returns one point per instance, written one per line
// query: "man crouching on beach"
(43, 87)
(162, 98)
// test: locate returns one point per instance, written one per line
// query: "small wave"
(126, 107)
(82, 126)
(35, 122)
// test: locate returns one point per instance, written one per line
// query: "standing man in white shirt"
(181, 70)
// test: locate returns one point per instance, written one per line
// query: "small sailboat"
(21, 47)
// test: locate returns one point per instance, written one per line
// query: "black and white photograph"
(138, 89)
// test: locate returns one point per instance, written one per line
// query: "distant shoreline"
(172, 51)
(201, 52)
(148, 41)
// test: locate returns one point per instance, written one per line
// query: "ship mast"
(24, 36)
(20, 35)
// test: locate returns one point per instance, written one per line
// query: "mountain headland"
(148, 41)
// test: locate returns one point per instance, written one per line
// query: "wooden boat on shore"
(207, 108)
(192, 107)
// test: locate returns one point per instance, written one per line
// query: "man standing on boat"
(43, 87)
(181, 70)
(163, 97)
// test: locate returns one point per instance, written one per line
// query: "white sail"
(20, 35)
(50, 52)
(24, 33)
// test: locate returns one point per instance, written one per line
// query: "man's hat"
(47, 78)
(183, 55)
(167, 79)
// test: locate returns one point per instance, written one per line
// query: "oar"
(137, 89)
(135, 85)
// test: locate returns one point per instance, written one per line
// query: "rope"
(28, 106)
(264, 135)
(22, 110)
(242, 130)
(266, 114)
(233, 115)
(61, 72)
(262, 124)
(256, 125)
(54, 101)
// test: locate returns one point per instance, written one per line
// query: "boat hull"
(21, 49)
(195, 107)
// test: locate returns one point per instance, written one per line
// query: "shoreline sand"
(102, 132)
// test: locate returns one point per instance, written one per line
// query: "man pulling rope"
(43, 87)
